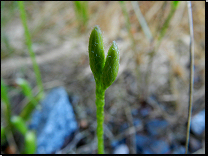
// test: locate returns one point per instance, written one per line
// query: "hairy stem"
(100, 102)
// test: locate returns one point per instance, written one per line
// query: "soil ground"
(60, 43)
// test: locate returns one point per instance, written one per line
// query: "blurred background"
(146, 108)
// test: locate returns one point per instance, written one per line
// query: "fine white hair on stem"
(191, 81)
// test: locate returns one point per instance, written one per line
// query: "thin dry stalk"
(142, 20)
(191, 73)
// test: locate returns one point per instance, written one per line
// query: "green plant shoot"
(105, 71)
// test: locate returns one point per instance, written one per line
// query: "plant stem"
(100, 102)
(29, 45)
(191, 73)
(5, 99)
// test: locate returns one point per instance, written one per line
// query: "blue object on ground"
(150, 145)
(137, 122)
(179, 150)
(156, 127)
(115, 143)
(121, 149)
(160, 147)
(142, 141)
(198, 123)
(54, 123)
(134, 112)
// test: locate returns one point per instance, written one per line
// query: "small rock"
(54, 122)
(156, 127)
(134, 112)
(141, 142)
(150, 145)
(137, 122)
(115, 143)
(145, 111)
(121, 149)
(124, 127)
(194, 145)
(198, 123)
(83, 123)
(160, 147)
(179, 150)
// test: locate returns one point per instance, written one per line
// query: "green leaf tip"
(4, 95)
(105, 70)
(27, 90)
(30, 142)
(175, 4)
(111, 67)
(96, 53)
(19, 124)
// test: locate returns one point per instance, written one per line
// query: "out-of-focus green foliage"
(29, 45)
(33, 101)
(26, 89)
(4, 95)
(19, 124)
(5, 99)
(81, 10)
(174, 4)
(165, 26)
(3, 137)
(30, 142)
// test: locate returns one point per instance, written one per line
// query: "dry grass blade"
(191, 73)
(142, 20)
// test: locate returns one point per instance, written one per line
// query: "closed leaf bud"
(111, 67)
(96, 53)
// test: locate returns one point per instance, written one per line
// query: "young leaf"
(96, 53)
(30, 142)
(19, 124)
(111, 67)
(3, 136)
(27, 90)
(5, 99)
(174, 4)
(4, 95)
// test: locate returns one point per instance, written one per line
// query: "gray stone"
(179, 150)
(198, 123)
(142, 141)
(54, 122)
(156, 127)
(151, 145)
(121, 149)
